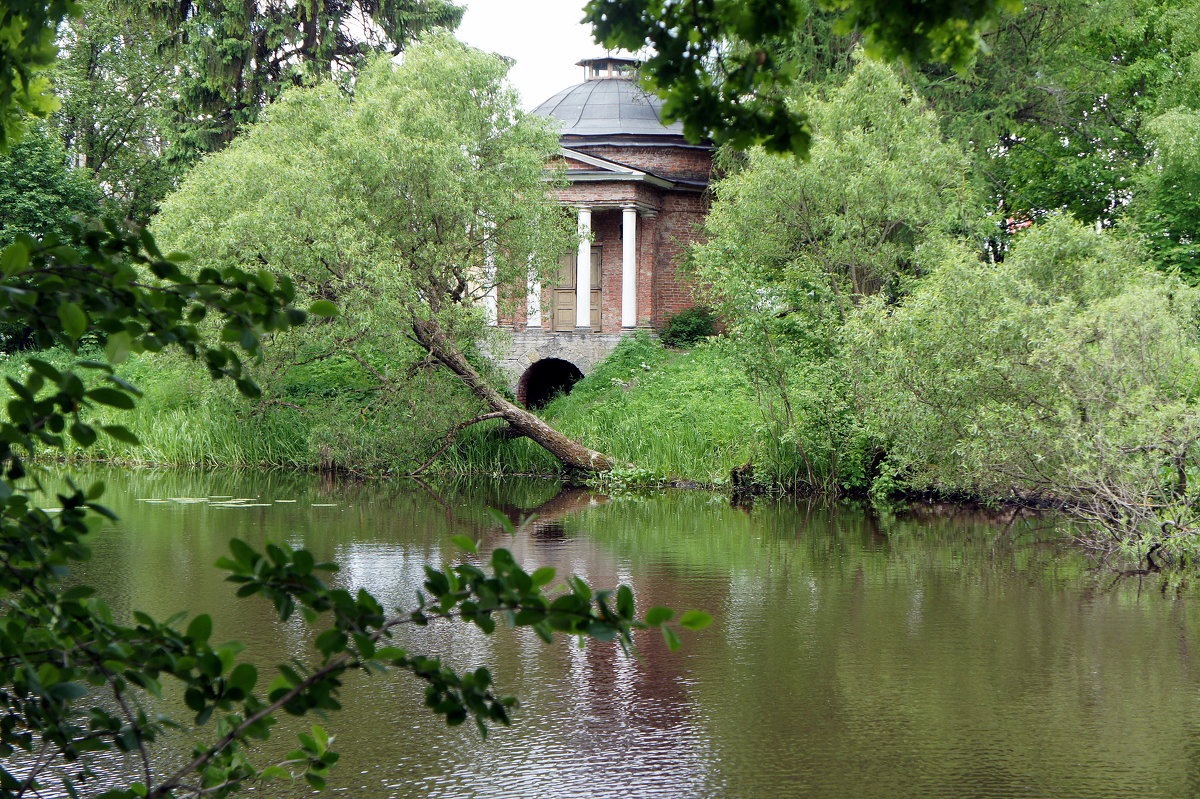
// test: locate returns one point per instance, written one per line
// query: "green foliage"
(723, 67)
(234, 59)
(39, 193)
(27, 48)
(1077, 133)
(114, 82)
(408, 205)
(1166, 201)
(688, 327)
(1059, 112)
(794, 246)
(1071, 369)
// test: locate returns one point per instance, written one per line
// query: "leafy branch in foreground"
(62, 647)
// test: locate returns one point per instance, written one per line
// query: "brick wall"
(679, 224)
(676, 163)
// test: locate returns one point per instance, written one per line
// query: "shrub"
(1071, 369)
(688, 327)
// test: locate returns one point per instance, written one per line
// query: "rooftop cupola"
(608, 67)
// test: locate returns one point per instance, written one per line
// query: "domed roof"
(608, 103)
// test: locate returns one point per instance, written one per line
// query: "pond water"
(923, 655)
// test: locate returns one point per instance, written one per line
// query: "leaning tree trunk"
(572, 454)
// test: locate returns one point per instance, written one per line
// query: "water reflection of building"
(594, 721)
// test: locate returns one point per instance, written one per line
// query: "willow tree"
(406, 204)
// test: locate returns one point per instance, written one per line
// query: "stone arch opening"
(545, 380)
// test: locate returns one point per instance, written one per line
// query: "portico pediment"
(583, 167)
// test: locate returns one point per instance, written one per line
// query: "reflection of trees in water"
(846, 646)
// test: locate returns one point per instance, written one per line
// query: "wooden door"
(564, 293)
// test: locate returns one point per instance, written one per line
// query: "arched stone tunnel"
(546, 379)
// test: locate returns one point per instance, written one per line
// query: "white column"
(533, 300)
(629, 267)
(490, 299)
(583, 271)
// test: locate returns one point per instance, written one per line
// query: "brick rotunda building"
(640, 193)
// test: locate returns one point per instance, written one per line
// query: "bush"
(688, 327)
(1070, 370)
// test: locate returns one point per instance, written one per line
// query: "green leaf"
(73, 318)
(671, 638)
(14, 259)
(658, 615)
(243, 553)
(542, 576)
(200, 628)
(44, 369)
(625, 602)
(248, 388)
(112, 397)
(243, 677)
(121, 433)
(390, 653)
(83, 434)
(302, 559)
(69, 691)
(695, 620)
(323, 308)
(321, 738)
(465, 544)
(116, 349)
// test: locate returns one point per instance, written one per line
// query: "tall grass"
(485, 450)
(184, 418)
(689, 415)
(681, 414)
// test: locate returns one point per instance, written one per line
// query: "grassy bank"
(184, 418)
(675, 414)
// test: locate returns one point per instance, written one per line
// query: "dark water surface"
(850, 656)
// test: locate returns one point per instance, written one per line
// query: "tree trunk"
(572, 454)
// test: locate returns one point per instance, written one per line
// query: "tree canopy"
(39, 192)
(27, 48)
(236, 57)
(723, 66)
(409, 201)
(115, 84)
